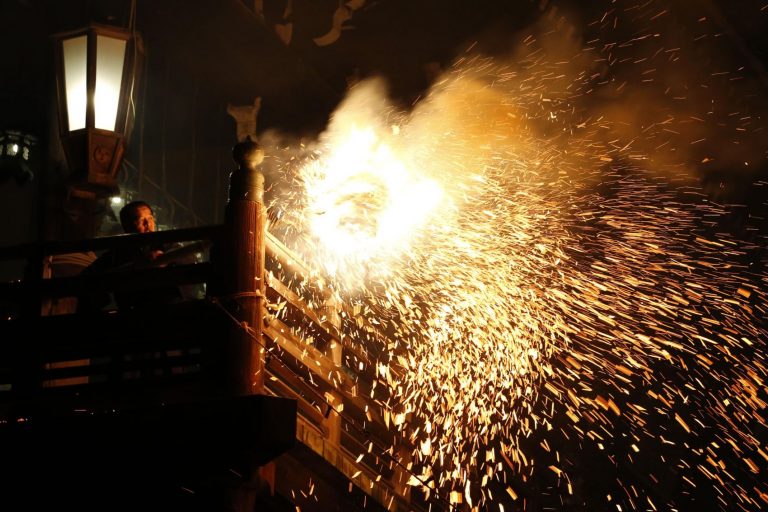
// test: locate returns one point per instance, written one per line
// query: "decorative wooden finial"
(245, 117)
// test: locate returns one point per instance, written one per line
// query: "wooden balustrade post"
(331, 313)
(244, 279)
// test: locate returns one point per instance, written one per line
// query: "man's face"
(143, 221)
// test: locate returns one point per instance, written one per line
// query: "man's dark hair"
(128, 214)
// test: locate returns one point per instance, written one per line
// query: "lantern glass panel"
(110, 57)
(75, 78)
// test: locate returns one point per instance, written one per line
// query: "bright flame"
(365, 203)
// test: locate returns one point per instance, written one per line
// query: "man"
(135, 217)
(138, 217)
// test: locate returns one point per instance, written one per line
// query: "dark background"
(201, 55)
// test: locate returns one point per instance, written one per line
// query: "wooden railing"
(109, 359)
(313, 356)
(52, 359)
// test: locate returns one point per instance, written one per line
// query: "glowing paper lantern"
(95, 67)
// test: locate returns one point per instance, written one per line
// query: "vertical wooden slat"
(331, 313)
(217, 195)
(142, 119)
(193, 151)
(163, 188)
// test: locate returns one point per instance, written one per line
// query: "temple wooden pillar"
(244, 293)
(244, 277)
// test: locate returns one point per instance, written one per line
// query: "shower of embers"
(573, 320)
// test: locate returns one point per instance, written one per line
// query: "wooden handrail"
(53, 247)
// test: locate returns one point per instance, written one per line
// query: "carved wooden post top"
(247, 181)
